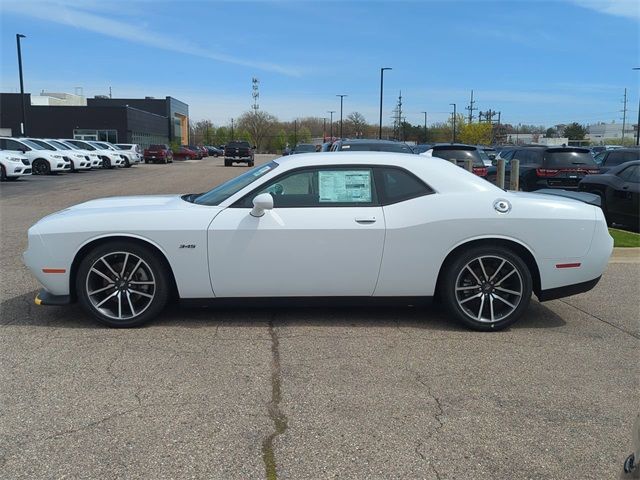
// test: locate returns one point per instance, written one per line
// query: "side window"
(324, 187)
(397, 185)
(600, 158)
(631, 174)
(508, 155)
(614, 158)
(13, 145)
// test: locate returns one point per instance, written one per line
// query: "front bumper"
(15, 170)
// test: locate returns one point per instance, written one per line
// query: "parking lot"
(304, 392)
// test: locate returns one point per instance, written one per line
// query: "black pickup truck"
(238, 152)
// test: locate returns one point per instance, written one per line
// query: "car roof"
(454, 146)
(369, 140)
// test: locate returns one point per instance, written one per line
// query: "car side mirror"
(262, 202)
(494, 162)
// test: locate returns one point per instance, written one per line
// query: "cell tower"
(255, 93)
(397, 118)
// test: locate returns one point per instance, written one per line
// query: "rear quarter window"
(398, 185)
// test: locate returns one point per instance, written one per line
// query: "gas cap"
(502, 206)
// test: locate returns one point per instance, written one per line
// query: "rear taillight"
(480, 171)
(547, 172)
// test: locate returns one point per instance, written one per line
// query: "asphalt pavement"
(304, 393)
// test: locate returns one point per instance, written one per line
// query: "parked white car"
(13, 166)
(110, 159)
(129, 157)
(361, 224)
(94, 158)
(43, 161)
(132, 148)
(78, 160)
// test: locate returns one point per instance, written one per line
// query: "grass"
(622, 238)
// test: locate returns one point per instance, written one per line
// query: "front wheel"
(41, 167)
(122, 284)
(106, 162)
(3, 173)
(487, 289)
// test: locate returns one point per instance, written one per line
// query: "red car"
(158, 153)
(185, 153)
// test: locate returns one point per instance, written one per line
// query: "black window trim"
(379, 198)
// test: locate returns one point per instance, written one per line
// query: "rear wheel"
(41, 167)
(122, 284)
(227, 163)
(3, 173)
(487, 288)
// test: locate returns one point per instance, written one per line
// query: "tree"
(475, 133)
(551, 133)
(575, 131)
(259, 125)
(355, 124)
(201, 132)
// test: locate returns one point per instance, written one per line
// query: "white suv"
(94, 158)
(77, 159)
(13, 166)
(132, 148)
(43, 161)
(110, 159)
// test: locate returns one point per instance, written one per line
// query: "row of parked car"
(21, 157)
(611, 174)
(163, 153)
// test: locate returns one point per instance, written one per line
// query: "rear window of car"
(459, 155)
(616, 158)
(157, 147)
(564, 158)
(238, 144)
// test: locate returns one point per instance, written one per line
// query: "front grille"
(25, 161)
(27, 170)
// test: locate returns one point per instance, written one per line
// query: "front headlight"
(15, 159)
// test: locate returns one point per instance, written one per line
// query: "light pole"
(331, 112)
(638, 126)
(324, 129)
(341, 99)
(425, 126)
(23, 125)
(454, 122)
(232, 129)
(381, 87)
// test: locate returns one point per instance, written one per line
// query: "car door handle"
(366, 220)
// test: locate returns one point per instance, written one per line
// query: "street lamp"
(454, 122)
(23, 125)
(381, 86)
(341, 98)
(638, 126)
(425, 126)
(331, 123)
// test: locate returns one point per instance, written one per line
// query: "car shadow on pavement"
(22, 311)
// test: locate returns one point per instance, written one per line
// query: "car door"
(623, 200)
(324, 237)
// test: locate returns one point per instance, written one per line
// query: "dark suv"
(238, 152)
(548, 167)
(461, 152)
(368, 145)
(612, 158)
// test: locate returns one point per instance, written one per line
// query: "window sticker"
(345, 186)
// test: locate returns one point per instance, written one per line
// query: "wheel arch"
(517, 247)
(95, 242)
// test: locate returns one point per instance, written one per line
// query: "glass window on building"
(107, 135)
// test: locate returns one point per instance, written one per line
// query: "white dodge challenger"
(357, 225)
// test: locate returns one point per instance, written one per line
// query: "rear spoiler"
(590, 198)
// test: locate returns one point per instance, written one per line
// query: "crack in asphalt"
(617, 327)
(275, 414)
(438, 418)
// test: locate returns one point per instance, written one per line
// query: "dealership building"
(118, 120)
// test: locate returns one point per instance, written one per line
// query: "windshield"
(59, 145)
(124, 147)
(568, 159)
(33, 145)
(305, 147)
(43, 144)
(484, 156)
(224, 191)
(82, 145)
(98, 146)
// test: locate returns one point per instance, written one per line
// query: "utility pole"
(624, 114)
(23, 125)
(341, 99)
(295, 133)
(425, 126)
(381, 87)
(454, 123)
(471, 108)
(232, 129)
(110, 95)
(638, 125)
(331, 112)
(324, 129)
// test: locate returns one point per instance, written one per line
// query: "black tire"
(456, 275)
(40, 167)
(146, 161)
(3, 174)
(127, 163)
(227, 163)
(73, 168)
(250, 164)
(152, 267)
(106, 162)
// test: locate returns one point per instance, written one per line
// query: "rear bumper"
(567, 290)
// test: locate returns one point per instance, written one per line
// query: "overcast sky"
(540, 62)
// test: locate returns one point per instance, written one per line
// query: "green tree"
(475, 133)
(575, 131)
(259, 125)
